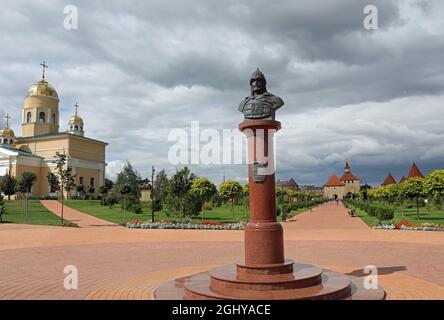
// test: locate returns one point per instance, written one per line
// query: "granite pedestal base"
(285, 281)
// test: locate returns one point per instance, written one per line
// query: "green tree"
(162, 186)
(24, 185)
(291, 194)
(108, 185)
(279, 194)
(395, 192)
(204, 189)
(8, 186)
(413, 188)
(26, 181)
(104, 189)
(129, 177)
(81, 191)
(53, 182)
(230, 190)
(65, 177)
(434, 184)
(181, 183)
(90, 191)
(246, 198)
(125, 190)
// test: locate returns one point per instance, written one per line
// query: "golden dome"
(76, 120)
(42, 88)
(7, 132)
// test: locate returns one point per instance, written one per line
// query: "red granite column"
(264, 243)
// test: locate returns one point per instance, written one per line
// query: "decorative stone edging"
(186, 226)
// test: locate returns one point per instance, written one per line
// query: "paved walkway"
(329, 216)
(81, 219)
(120, 263)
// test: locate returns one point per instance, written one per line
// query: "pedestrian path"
(81, 219)
(328, 216)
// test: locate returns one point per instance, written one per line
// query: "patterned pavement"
(120, 263)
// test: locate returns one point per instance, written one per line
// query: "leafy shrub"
(385, 214)
(379, 210)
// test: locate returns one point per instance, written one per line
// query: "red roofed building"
(415, 172)
(389, 180)
(339, 188)
(334, 181)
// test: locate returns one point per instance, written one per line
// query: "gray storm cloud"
(143, 68)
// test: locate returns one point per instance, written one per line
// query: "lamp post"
(152, 194)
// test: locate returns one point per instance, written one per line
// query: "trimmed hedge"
(380, 211)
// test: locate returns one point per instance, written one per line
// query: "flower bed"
(206, 225)
(406, 225)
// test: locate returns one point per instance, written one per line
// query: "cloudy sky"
(140, 69)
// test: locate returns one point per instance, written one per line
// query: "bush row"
(298, 205)
(380, 211)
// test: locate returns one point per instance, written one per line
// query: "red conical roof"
(347, 165)
(389, 180)
(415, 172)
(334, 182)
(402, 179)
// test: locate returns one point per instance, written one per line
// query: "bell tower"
(41, 109)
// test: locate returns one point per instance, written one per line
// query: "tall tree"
(27, 180)
(125, 190)
(413, 188)
(128, 177)
(104, 189)
(24, 185)
(162, 186)
(204, 189)
(53, 182)
(180, 184)
(8, 186)
(65, 177)
(230, 190)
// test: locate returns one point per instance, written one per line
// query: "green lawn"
(38, 214)
(116, 215)
(431, 215)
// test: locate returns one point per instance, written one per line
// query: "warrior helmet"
(258, 75)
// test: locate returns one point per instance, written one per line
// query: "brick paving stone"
(121, 263)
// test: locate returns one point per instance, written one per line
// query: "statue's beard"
(257, 90)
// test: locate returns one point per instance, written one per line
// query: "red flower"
(210, 223)
(406, 224)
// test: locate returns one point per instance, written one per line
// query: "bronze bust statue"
(260, 104)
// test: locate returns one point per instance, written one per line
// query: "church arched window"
(28, 117)
(11, 142)
(6, 141)
(76, 128)
(53, 118)
(42, 117)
